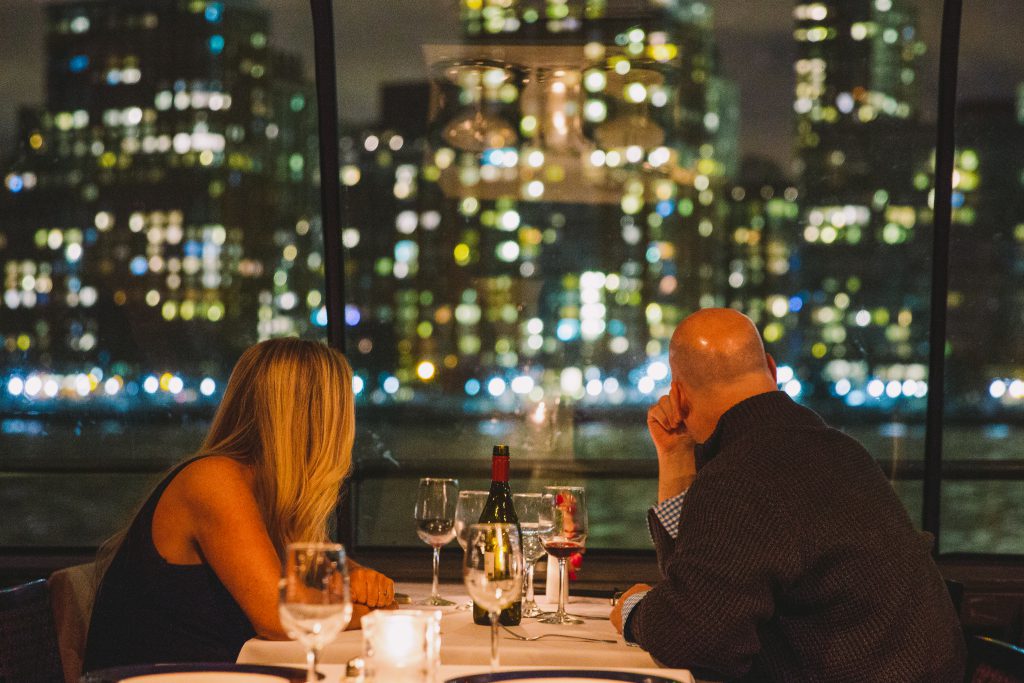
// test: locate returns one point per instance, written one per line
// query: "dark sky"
(380, 41)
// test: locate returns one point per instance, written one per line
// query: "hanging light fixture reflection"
(629, 102)
(562, 128)
(479, 91)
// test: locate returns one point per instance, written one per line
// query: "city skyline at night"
(748, 33)
(154, 220)
(576, 191)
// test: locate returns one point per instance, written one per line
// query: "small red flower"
(575, 565)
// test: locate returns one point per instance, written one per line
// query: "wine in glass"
(493, 571)
(564, 532)
(435, 524)
(531, 508)
(314, 602)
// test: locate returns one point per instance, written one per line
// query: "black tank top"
(149, 611)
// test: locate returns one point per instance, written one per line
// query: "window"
(159, 213)
(981, 495)
(529, 221)
(533, 195)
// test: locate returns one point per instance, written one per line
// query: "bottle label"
(489, 564)
(499, 469)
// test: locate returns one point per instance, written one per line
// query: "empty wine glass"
(467, 513)
(530, 509)
(564, 532)
(314, 601)
(493, 572)
(435, 524)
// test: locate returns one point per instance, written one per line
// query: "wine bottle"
(499, 508)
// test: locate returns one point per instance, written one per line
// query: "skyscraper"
(986, 302)
(864, 251)
(162, 213)
(567, 209)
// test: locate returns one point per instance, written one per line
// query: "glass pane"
(545, 189)
(159, 213)
(985, 403)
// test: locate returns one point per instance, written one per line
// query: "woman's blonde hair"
(288, 412)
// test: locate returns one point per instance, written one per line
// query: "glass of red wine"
(435, 524)
(564, 534)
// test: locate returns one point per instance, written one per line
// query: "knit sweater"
(795, 561)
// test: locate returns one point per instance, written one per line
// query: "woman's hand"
(369, 587)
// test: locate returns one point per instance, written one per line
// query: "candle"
(402, 646)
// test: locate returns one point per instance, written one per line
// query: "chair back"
(71, 593)
(28, 638)
(993, 661)
(956, 594)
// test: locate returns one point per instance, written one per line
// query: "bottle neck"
(499, 469)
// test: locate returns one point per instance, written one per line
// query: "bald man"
(786, 556)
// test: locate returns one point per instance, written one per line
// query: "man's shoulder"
(769, 441)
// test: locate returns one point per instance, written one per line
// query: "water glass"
(493, 572)
(530, 509)
(314, 601)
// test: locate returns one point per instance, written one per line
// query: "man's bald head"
(716, 348)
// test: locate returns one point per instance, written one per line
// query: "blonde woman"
(195, 574)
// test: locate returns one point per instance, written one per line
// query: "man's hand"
(370, 588)
(616, 615)
(676, 466)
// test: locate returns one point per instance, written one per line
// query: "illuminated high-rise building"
(986, 303)
(763, 223)
(856, 71)
(564, 210)
(863, 251)
(162, 214)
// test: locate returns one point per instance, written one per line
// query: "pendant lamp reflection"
(562, 127)
(628, 95)
(477, 104)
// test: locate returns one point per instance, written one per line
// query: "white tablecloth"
(465, 643)
(336, 673)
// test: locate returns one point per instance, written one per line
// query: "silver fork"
(578, 616)
(529, 639)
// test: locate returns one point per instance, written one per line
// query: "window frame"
(932, 470)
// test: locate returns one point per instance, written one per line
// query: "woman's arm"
(227, 530)
(209, 513)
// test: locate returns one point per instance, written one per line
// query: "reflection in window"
(523, 229)
(161, 215)
(578, 190)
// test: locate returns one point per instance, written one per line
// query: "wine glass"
(314, 601)
(435, 524)
(564, 532)
(493, 572)
(530, 509)
(467, 513)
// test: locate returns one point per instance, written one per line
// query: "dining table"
(465, 646)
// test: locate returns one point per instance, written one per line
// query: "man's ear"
(771, 367)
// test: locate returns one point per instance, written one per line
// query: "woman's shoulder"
(214, 475)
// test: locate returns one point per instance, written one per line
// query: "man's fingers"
(663, 414)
